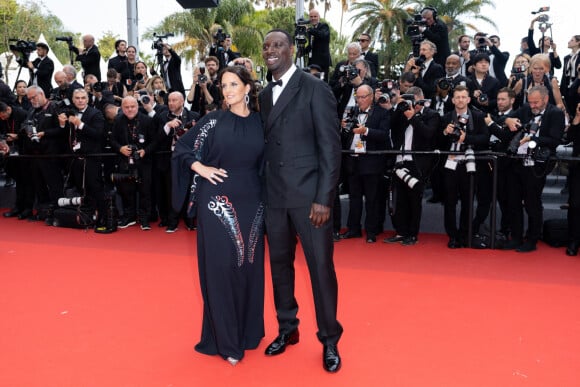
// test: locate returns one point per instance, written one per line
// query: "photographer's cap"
(43, 45)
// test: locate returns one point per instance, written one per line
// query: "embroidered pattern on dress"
(197, 151)
(255, 232)
(226, 213)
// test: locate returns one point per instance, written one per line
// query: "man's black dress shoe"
(454, 243)
(280, 343)
(409, 241)
(12, 213)
(394, 239)
(572, 249)
(350, 234)
(330, 358)
(511, 245)
(526, 247)
(26, 214)
(336, 236)
(371, 239)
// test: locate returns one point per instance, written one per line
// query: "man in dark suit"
(318, 48)
(497, 59)
(437, 32)
(364, 40)
(474, 134)
(528, 176)
(41, 69)
(301, 169)
(172, 70)
(428, 72)
(85, 136)
(90, 57)
(412, 129)
(364, 171)
(571, 90)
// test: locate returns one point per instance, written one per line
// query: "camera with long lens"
(68, 40)
(143, 97)
(420, 61)
(29, 127)
(481, 44)
(458, 127)
(98, 87)
(405, 175)
(388, 86)
(445, 84)
(219, 37)
(348, 72)
(414, 26)
(24, 47)
(301, 32)
(158, 44)
(469, 160)
(160, 93)
(408, 102)
(183, 127)
(530, 128)
(75, 201)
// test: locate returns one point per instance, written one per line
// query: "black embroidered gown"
(230, 238)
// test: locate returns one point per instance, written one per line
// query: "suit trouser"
(484, 176)
(129, 189)
(408, 207)
(50, 170)
(283, 225)
(367, 186)
(88, 173)
(456, 188)
(20, 170)
(526, 184)
(574, 203)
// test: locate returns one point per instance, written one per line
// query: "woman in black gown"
(224, 151)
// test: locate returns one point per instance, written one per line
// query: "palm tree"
(384, 20)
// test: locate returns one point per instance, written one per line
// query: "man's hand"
(319, 214)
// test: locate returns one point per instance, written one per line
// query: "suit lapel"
(287, 95)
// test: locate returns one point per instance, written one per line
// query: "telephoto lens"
(403, 174)
(469, 160)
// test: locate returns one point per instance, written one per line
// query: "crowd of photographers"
(459, 103)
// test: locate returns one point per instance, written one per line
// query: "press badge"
(360, 147)
(76, 146)
(451, 164)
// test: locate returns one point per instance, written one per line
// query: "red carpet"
(80, 309)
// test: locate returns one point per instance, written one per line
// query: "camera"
(459, 126)
(349, 72)
(413, 26)
(29, 127)
(409, 102)
(68, 39)
(160, 93)
(420, 61)
(350, 120)
(445, 84)
(543, 18)
(529, 128)
(134, 157)
(482, 98)
(539, 154)
(99, 86)
(158, 44)
(23, 46)
(384, 98)
(144, 97)
(183, 127)
(300, 32)
(220, 36)
(75, 201)
(388, 85)
(481, 43)
(405, 175)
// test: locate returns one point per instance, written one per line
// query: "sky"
(512, 19)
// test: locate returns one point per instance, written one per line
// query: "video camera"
(301, 32)
(24, 47)
(158, 44)
(414, 26)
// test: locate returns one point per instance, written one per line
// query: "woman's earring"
(247, 99)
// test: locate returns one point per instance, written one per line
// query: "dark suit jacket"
(165, 140)
(145, 130)
(425, 127)
(551, 127)
(498, 63)
(571, 96)
(490, 86)
(302, 153)
(319, 47)
(438, 34)
(91, 136)
(43, 75)
(54, 139)
(373, 60)
(378, 138)
(174, 73)
(427, 82)
(91, 62)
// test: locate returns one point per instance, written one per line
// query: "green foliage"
(107, 45)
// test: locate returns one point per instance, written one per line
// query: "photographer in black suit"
(570, 85)
(463, 128)
(540, 126)
(413, 128)
(574, 186)
(318, 48)
(84, 126)
(366, 129)
(426, 70)
(173, 124)
(443, 103)
(41, 69)
(172, 70)
(222, 49)
(497, 59)
(90, 57)
(351, 78)
(438, 33)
